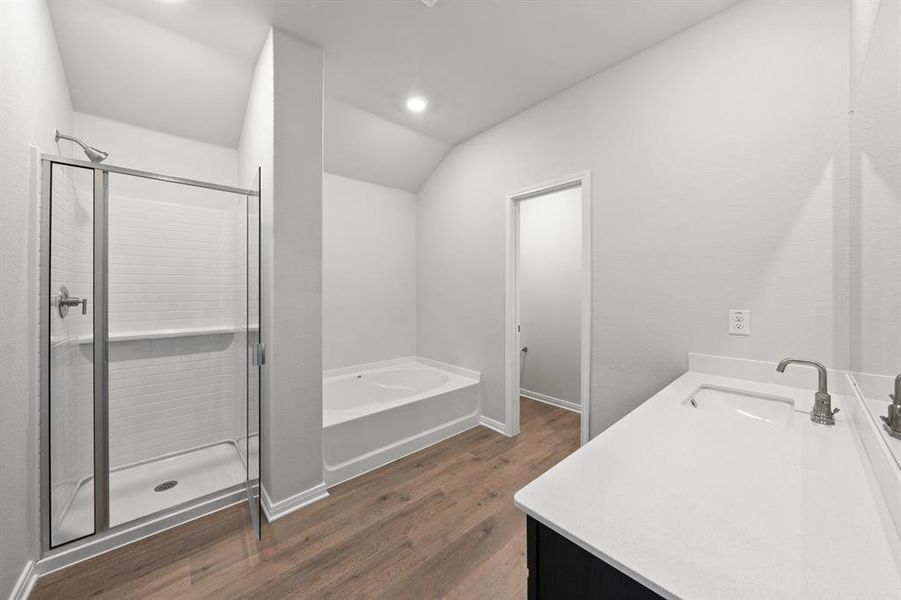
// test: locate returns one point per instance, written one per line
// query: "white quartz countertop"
(696, 505)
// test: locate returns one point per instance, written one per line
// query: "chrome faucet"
(893, 420)
(822, 411)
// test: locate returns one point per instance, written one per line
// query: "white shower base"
(199, 472)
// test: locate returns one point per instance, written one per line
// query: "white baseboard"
(277, 510)
(25, 582)
(492, 424)
(565, 404)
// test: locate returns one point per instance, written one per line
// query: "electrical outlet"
(740, 322)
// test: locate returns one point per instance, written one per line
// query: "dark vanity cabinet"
(562, 570)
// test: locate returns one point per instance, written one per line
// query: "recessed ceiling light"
(417, 104)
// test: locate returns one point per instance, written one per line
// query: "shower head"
(93, 154)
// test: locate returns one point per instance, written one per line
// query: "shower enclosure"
(151, 348)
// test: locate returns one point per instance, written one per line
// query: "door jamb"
(512, 355)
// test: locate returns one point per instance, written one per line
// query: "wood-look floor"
(437, 524)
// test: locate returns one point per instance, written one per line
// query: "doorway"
(548, 298)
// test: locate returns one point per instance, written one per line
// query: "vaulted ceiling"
(184, 66)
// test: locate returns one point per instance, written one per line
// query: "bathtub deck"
(437, 524)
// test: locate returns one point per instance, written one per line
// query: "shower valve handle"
(64, 301)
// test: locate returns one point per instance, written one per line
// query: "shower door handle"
(261, 354)
(64, 301)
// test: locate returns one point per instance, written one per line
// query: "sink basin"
(739, 404)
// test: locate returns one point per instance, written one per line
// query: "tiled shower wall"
(176, 268)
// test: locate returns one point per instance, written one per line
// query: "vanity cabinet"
(562, 570)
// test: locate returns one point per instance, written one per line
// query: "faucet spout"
(822, 385)
(822, 411)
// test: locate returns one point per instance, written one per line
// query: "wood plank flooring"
(437, 524)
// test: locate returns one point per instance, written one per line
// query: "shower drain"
(166, 485)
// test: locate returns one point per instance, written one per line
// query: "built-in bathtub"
(376, 413)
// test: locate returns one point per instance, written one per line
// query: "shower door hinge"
(261, 354)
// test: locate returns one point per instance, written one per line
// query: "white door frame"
(512, 356)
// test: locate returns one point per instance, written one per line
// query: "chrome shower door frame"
(101, 351)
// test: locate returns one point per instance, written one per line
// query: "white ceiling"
(184, 66)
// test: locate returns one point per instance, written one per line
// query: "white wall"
(719, 164)
(876, 189)
(255, 164)
(149, 150)
(287, 90)
(368, 272)
(550, 294)
(34, 100)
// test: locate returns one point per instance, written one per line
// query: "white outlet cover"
(740, 322)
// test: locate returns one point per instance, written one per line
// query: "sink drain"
(166, 485)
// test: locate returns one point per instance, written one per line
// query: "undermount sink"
(741, 404)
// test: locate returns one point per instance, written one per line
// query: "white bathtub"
(376, 413)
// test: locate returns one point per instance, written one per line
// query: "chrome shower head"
(93, 154)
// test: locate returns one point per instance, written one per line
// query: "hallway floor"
(437, 524)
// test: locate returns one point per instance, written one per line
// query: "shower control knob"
(64, 301)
